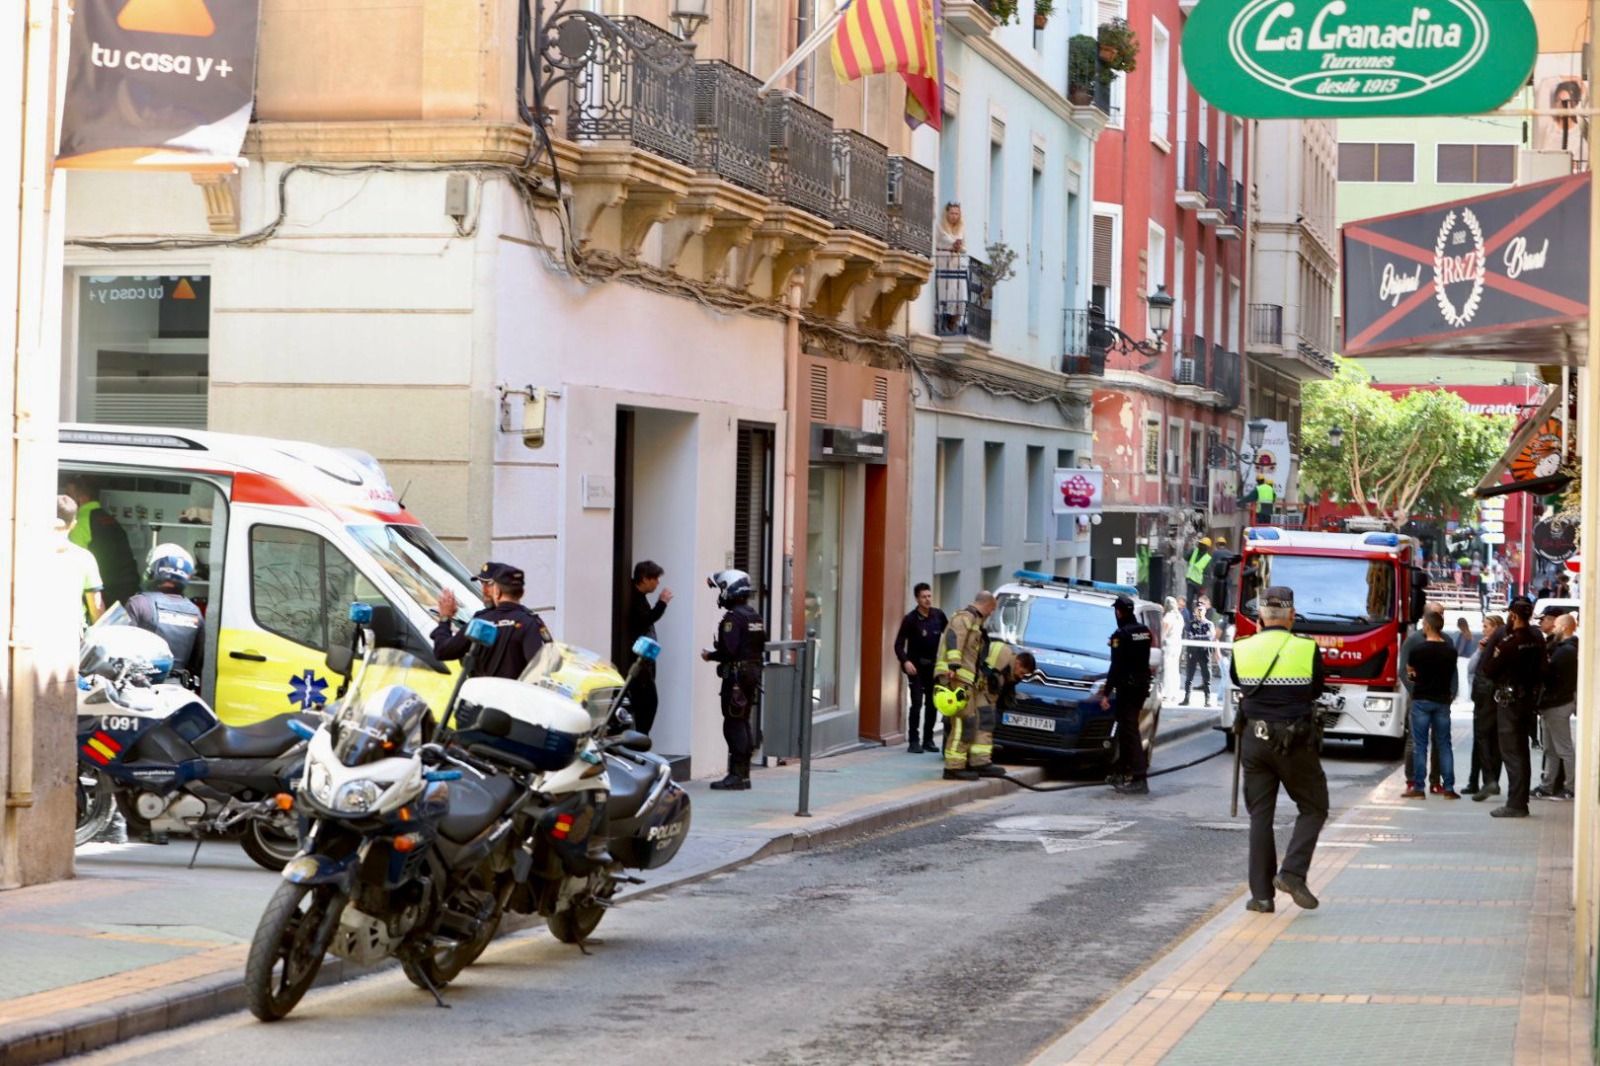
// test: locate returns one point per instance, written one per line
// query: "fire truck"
(1357, 595)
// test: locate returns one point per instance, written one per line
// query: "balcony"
(963, 292)
(730, 126)
(1194, 176)
(1199, 495)
(1266, 327)
(1216, 211)
(1226, 379)
(800, 139)
(975, 18)
(1189, 363)
(1319, 358)
(860, 184)
(1231, 228)
(618, 98)
(1083, 345)
(910, 206)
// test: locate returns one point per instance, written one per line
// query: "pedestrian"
(1410, 645)
(1547, 623)
(1465, 641)
(917, 648)
(968, 715)
(1485, 779)
(520, 634)
(1516, 666)
(1564, 587)
(1197, 638)
(1264, 496)
(97, 530)
(1557, 705)
(77, 565)
(740, 648)
(951, 246)
(643, 699)
(1195, 575)
(1172, 626)
(1432, 670)
(164, 611)
(1124, 692)
(1279, 676)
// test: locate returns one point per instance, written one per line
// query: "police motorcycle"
(151, 748)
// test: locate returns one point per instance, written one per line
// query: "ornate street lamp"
(1335, 436)
(1107, 337)
(1256, 433)
(688, 16)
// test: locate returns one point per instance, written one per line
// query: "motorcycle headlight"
(358, 796)
(320, 782)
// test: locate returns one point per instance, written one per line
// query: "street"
(974, 937)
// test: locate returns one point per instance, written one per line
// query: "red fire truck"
(1357, 595)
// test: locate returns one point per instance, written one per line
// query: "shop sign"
(1555, 539)
(1271, 459)
(1358, 58)
(1485, 265)
(1079, 492)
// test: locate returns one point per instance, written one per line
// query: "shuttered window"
(819, 392)
(752, 510)
(1105, 238)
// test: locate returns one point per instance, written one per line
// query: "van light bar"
(1034, 577)
(1386, 540)
(1253, 533)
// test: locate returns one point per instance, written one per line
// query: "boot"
(915, 747)
(989, 769)
(951, 774)
(732, 782)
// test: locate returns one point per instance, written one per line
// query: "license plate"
(1029, 721)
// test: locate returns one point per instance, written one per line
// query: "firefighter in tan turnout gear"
(971, 676)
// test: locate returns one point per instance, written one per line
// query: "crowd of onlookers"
(1194, 629)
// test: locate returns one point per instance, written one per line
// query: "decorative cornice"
(399, 142)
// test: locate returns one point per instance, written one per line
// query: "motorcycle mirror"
(339, 659)
(482, 632)
(647, 649)
(386, 630)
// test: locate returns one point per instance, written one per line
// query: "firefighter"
(968, 712)
(740, 648)
(1126, 688)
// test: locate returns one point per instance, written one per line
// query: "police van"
(284, 535)
(1067, 624)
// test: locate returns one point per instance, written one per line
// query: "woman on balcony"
(951, 248)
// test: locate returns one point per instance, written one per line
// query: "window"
(947, 493)
(1174, 448)
(301, 587)
(1152, 446)
(1476, 164)
(1196, 454)
(997, 191)
(994, 481)
(1199, 296)
(1360, 161)
(1160, 86)
(1236, 314)
(1038, 490)
(143, 350)
(1177, 292)
(1156, 258)
(1105, 289)
(1035, 252)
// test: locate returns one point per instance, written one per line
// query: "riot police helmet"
(169, 564)
(733, 587)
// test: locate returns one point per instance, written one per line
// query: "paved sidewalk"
(1444, 936)
(138, 943)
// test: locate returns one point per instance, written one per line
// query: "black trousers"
(738, 727)
(1131, 757)
(1486, 736)
(643, 700)
(921, 697)
(1514, 719)
(1300, 773)
(1197, 659)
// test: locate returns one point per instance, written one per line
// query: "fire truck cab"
(1358, 596)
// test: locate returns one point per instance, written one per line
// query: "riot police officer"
(1279, 676)
(521, 632)
(740, 647)
(163, 610)
(1126, 688)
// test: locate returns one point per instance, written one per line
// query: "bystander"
(1432, 673)
(1557, 704)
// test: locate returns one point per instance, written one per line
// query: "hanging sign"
(1358, 58)
(1079, 491)
(1271, 460)
(1555, 539)
(159, 84)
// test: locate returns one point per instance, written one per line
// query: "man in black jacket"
(643, 699)
(917, 647)
(1516, 665)
(1556, 707)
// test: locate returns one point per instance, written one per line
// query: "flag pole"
(807, 47)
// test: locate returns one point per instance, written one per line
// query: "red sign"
(1481, 399)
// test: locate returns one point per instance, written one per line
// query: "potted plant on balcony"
(1119, 47)
(1002, 261)
(1084, 69)
(1042, 10)
(1003, 10)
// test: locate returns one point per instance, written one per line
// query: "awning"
(1501, 276)
(1534, 457)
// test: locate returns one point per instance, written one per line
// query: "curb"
(141, 1014)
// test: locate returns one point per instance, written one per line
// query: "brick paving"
(1444, 936)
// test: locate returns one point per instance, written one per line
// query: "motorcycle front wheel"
(294, 934)
(96, 806)
(268, 845)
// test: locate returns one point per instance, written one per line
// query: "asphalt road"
(977, 937)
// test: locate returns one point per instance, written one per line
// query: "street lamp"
(688, 16)
(1160, 313)
(1335, 436)
(1103, 336)
(1256, 433)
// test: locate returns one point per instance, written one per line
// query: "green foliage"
(1083, 63)
(1002, 260)
(1043, 8)
(1123, 43)
(1420, 454)
(1004, 10)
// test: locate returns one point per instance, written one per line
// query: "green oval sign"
(1358, 58)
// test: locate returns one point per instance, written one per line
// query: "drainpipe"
(791, 405)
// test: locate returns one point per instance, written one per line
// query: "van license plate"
(1028, 721)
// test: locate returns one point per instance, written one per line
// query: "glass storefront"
(824, 584)
(142, 350)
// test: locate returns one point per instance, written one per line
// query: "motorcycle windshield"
(383, 714)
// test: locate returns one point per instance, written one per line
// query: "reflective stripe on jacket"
(960, 648)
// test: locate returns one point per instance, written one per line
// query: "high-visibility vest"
(1296, 658)
(1197, 567)
(1265, 493)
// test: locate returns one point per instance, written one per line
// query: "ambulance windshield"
(420, 564)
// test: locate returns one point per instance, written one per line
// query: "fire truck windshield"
(1329, 593)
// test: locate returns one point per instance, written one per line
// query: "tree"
(1421, 453)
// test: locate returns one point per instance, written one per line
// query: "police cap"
(1280, 596)
(1122, 605)
(501, 574)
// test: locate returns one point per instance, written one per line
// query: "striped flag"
(883, 36)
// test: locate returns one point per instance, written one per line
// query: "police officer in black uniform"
(521, 632)
(740, 646)
(163, 610)
(1279, 677)
(1515, 662)
(1126, 688)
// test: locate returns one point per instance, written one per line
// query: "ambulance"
(285, 535)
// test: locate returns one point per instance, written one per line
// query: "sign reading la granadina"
(1358, 58)
(1509, 260)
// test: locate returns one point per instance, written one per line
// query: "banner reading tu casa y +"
(159, 84)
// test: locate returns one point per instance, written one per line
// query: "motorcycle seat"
(630, 787)
(264, 740)
(475, 804)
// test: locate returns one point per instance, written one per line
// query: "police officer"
(967, 709)
(163, 610)
(1279, 677)
(1126, 688)
(740, 647)
(521, 632)
(1515, 663)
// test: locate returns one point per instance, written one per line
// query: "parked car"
(1067, 624)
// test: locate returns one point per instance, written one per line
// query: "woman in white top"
(950, 246)
(1171, 645)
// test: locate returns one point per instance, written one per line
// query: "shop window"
(142, 353)
(824, 579)
(301, 586)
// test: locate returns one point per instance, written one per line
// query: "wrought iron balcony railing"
(1222, 191)
(1226, 379)
(617, 97)
(731, 125)
(963, 291)
(1195, 172)
(800, 140)
(860, 184)
(910, 206)
(1266, 325)
(1083, 352)
(1238, 203)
